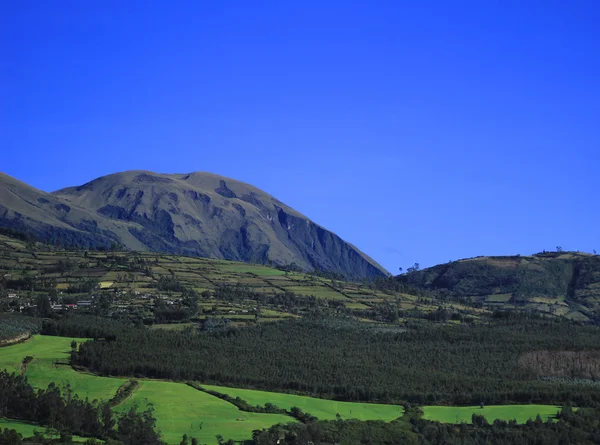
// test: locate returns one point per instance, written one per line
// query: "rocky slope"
(193, 214)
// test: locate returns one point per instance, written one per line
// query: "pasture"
(43, 370)
(323, 409)
(181, 409)
(462, 414)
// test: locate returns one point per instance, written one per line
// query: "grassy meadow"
(462, 414)
(42, 370)
(321, 408)
(181, 409)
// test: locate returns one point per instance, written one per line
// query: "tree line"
(571, 428)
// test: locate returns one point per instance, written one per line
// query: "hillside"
(560, 283)
(192, 289)
(196, 214)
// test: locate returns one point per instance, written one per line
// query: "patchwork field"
(320, 408)
(462, 414)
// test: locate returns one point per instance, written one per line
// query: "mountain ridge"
(198, 213)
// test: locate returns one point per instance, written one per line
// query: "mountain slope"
(51, 219)
(193, 214)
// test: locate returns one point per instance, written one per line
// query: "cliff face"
(193, 214)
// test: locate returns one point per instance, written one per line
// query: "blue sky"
(419, 131)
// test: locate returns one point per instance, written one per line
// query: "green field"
(182, 409)
(320, 408)
(41, 371)
(462, 414)
(29, 429)
(178, 408)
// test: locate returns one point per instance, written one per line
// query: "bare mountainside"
(198, 214)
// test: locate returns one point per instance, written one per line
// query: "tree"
(414, 268)
(43, 306)
(559, 248)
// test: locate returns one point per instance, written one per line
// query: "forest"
(338, 358)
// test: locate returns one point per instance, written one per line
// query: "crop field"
(320, 408)
(29, 429)
(462, 414)
(181, 409)
(42, 371)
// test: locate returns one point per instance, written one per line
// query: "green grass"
(462, 414)
(29, 429)
(225, 267)
(317, 291)
(181, 409)
(41, 371)
(321, 408)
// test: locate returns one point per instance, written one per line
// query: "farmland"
(167, 289)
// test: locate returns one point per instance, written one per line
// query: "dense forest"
(338, 358)
(67, 414)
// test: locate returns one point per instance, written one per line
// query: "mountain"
(557, 282)
(198, 214)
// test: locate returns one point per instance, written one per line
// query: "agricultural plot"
(181, 409)
(463, 414)
(320, 408)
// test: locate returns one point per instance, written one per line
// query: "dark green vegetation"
(68, 414)
(555, 283)
(347, 360)
(17, 328)
(196, 214)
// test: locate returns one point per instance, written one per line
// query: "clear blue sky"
(418, 130)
